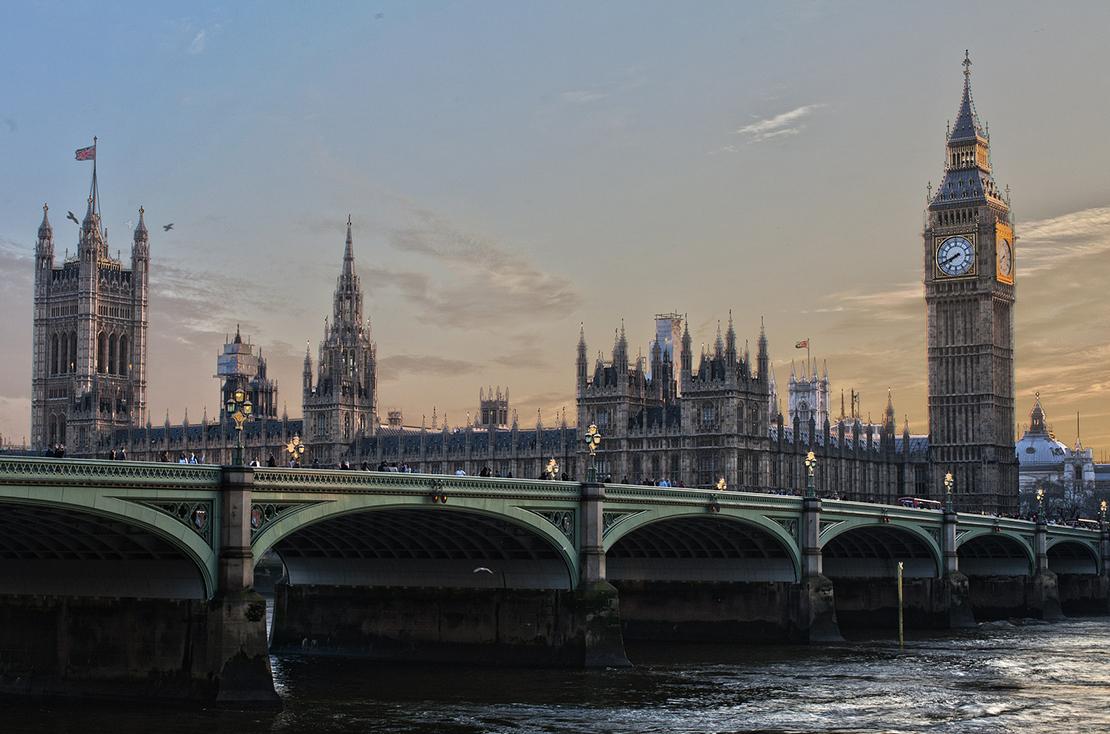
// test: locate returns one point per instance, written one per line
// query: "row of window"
(113, 355)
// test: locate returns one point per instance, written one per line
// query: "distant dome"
(1038, 446)
(1039, 449)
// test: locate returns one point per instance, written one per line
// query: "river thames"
(998, 678)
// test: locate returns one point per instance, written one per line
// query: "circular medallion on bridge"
(256, 517)
(566, 523)
(200, 518)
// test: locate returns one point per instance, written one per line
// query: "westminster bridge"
(137, 579)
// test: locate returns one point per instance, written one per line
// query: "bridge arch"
(1072, 556)
(990, 552)
(865, 548)
(100, 546)
(340, 542)
(730, 545)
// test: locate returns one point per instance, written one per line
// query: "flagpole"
(96, 189)
(808, 358)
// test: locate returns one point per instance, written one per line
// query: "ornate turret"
(44, 248)
(687, 348)
(730, 341)
(761, 355)
(140, 247)
(620, 351)
(581, 360)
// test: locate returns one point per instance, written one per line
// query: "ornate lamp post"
(592, 439)
(295, 449)
(1040, 505)
(1102, 512)
(811, 465)
(552, 470)
(239, 408)
(949, 482)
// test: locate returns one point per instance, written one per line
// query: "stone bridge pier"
(102, 598)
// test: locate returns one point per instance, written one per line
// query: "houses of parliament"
(693, 419)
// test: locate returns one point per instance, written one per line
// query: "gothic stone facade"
(89, 337)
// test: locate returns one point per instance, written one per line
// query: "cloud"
(583, 96)
(1044, 244)
(901, 303)
(781, 125)
(486, 283)
(396, 365)
(196, 46)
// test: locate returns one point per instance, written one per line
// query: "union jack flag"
(803, 344)
(86, 154)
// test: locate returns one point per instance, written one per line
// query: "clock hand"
(958, 254)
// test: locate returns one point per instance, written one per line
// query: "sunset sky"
(513, 169)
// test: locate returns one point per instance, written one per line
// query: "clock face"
(1005, 257)
(956, 256)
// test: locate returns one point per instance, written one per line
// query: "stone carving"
(193, 514)
(609, 520)
(264, 514)
(561, 519)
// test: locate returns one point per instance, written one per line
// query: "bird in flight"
(70, 215)
(167, 227)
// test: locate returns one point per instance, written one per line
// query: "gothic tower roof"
(46, 231)
(967, 126)
(967, 169)
(140, 228)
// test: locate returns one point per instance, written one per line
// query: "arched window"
(53, 355)
(62, 429)
(101, 352)
(64, 355)
(113, 347)
(124, 356)
(72, 352)
(52, 429)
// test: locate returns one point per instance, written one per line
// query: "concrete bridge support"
(1043, 593)
(816, 597)
(104, 609)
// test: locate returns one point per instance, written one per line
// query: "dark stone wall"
(1082, 594)
(998, 597)
(517, 626)
(710, 611)
(141, 649)
(873, 603)
(1003, 597)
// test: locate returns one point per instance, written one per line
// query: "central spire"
(349, 251)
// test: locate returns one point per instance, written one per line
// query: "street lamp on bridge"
(239, 407)
(295, 449)
(592, 439)
(949, 482)
(811, 465)
(1040, 505)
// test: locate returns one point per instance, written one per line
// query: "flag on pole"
(86, 154)
(803, 344)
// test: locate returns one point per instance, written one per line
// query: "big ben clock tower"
(969, 295)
